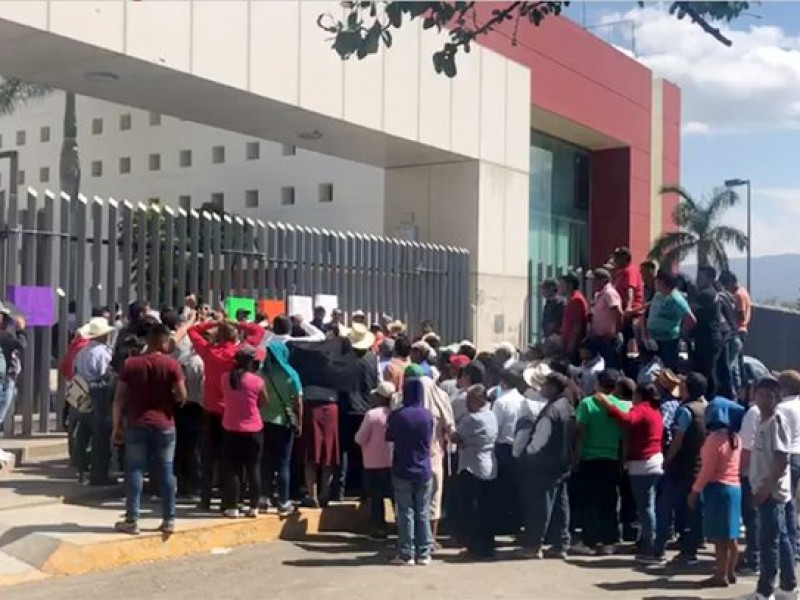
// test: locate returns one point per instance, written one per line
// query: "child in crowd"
(377, 454)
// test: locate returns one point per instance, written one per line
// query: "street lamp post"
(732, 183)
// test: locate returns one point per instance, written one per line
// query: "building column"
(480, 206)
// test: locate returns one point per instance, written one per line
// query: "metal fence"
(538, 273)
(772, 337)
(103, 252)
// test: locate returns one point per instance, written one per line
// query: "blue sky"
(741, 105)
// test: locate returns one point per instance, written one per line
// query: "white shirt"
(789, 409)
(506, 410)
(750, 423)
(772, 437)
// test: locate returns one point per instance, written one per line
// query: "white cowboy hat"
(535, 375)
(385, 389)
(361, 338)
(96, 328)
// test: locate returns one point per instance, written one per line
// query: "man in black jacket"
(13, 341)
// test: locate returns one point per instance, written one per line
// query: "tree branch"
(697, 19)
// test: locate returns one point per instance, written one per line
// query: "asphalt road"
(343, 567)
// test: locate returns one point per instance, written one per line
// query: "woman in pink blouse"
(718, 481)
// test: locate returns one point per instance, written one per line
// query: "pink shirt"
(720, 462)
(605, 308)
(371, 436)
(241, 412)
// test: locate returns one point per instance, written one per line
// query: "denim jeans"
(774, 549)
(672, 501)
(145, 446)
(413, 503)
(644, 492)
(791, 506)
(750, 519)
(276, 460)
(545, 509)
(8, 387)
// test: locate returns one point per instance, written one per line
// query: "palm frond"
(717, 255)
(666, 244)
(15, 93)
(677, 254)
(723, 198)
(730, 235)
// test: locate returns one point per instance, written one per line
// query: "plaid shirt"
(669, 406)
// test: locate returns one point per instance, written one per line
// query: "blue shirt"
(411, 430)
(666, 315)
(478, 432)
(93, 361)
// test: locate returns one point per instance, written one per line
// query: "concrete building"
(538, 156)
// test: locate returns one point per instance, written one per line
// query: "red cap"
(459, 360)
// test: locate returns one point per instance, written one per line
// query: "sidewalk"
(51, 525)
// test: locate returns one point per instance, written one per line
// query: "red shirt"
(151, 380)
(217, 360)
(576, 313)
(77, 344)
(646, 429)
(252, 333)
(630, 278)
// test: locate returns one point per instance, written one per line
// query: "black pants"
(598, 485)
(276, 459)
(188, 429)
(505, 492)
(627, 507)
(241, 453)
(704, 360)
(212, 447)
(378, 484)
(350, 460)
(476, 513)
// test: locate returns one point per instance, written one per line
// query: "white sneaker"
(251, 513)
(423, 561)
(400, 561)
(784, 595)
(756, 596)
(231, 513)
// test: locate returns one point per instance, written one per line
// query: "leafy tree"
(699, 230)
(15, 93)
(366, 25)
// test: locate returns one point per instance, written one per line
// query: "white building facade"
(143, 156)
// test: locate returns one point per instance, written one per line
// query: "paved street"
(325, 569)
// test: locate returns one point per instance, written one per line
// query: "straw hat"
(669, 381)
(535, 375)
(96, 328)
(385, 389)
(396, 327)
(361, 338)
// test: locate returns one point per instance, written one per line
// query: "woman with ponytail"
(243, 393)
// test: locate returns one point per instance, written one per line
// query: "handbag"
(77, 394)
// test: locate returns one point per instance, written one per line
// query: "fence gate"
(102, 252)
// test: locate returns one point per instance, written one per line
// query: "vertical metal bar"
(234, 257)
(181, 248)
(111, 266)
(342, 267)
(3, 249)
(325, 254)
(250, 259)
(228, 256)
(468, 315)
(154, 295)
(140, 216)
(217, 262)
(63, 301)
(193, 251)
(261, 264)
(309, 258)
(96, 265)
(272, 261)
(46, 242)
(81, 309)
(12, 254)
(127, 254)
(317, 249)
(27, 392)
(208, 265)
(170, 278)
(374, 274)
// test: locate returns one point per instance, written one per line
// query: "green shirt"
(666, 316)
(602, 435)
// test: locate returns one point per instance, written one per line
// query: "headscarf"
(722, 413)
(278, 370)
(412, 392)
(414, 370)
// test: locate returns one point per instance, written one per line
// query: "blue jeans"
(149, 447)
(644, 493)
(774, 549)
(750, 519)
(7, 388)
(791, 506)
(276, 459)
(413, 504)
(672, 500)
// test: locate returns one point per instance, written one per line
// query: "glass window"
(218, 155)
(97, 126)
(97, 168)
(125, 122)
(125, 165)
(185, 158)
(218, 200)
(155, 119)
(21, 177)
(251, 199)
(287, 196)
(185, 202)
(288, 149)
(44, 134)
(252, 151)
(44, 174)
(20, 138)
(325, 192)
(154, 162)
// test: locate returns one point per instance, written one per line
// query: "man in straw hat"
(93, 429)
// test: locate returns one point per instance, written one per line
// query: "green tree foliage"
(699, 230)
(365, 26)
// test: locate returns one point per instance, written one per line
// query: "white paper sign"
(300, 305)
(328, 302)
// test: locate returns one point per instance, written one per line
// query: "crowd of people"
(635, 418)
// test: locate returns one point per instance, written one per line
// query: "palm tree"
(699, 230)
(15, 93)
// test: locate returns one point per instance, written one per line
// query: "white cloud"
(695, 128)
(752, 85)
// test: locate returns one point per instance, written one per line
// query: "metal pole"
(749, 240)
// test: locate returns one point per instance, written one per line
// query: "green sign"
(234, 304)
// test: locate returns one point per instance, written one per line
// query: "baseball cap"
(459, 361)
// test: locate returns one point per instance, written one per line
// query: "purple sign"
(36, 303)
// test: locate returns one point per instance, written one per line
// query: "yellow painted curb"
(18, 578)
